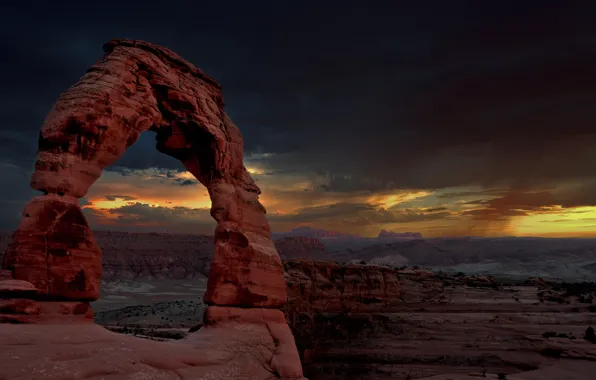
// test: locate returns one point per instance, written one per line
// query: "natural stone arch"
(138, 87)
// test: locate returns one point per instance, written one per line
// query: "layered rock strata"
(138, 87)
(371, 322)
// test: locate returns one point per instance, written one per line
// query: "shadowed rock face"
(373, 322)
(139, 87)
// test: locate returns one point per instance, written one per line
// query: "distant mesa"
(384, 234)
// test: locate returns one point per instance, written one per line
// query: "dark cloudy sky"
(445, 117)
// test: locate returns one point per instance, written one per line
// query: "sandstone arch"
(52, 268)
(139, 87)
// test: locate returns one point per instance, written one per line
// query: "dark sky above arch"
(357, 97)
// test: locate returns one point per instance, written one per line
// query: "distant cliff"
(165, 256)
(129, 256)
(330, 287)
(357, 321)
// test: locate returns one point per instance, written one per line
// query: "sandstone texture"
(235, 351)
(15, 287)
(54, 260)
(54, 249)
(332, 287)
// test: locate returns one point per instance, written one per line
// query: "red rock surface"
(139, 87)
(29, 311)
(15, 287)
(232, 351)
(332, 287)
(5, 274)
(283, 362)
(54, 249)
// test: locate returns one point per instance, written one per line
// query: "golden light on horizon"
(108, 204)
(290, 195)
(199, 202)
(558, 221)
(254, 171)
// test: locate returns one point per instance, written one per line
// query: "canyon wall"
(371, 322)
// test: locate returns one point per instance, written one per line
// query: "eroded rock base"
(249, 346)
(284, 359)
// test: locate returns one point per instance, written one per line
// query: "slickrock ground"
(88, 351)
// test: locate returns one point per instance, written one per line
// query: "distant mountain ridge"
(389, 234)
(311, 232)
(129, 256)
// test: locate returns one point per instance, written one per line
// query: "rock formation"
(334, 288)
(372, 322)
(139, 87)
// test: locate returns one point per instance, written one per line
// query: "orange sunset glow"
(176, 202)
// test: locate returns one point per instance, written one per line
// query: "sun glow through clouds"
(387, 201)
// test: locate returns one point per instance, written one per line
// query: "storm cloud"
(353, 97)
